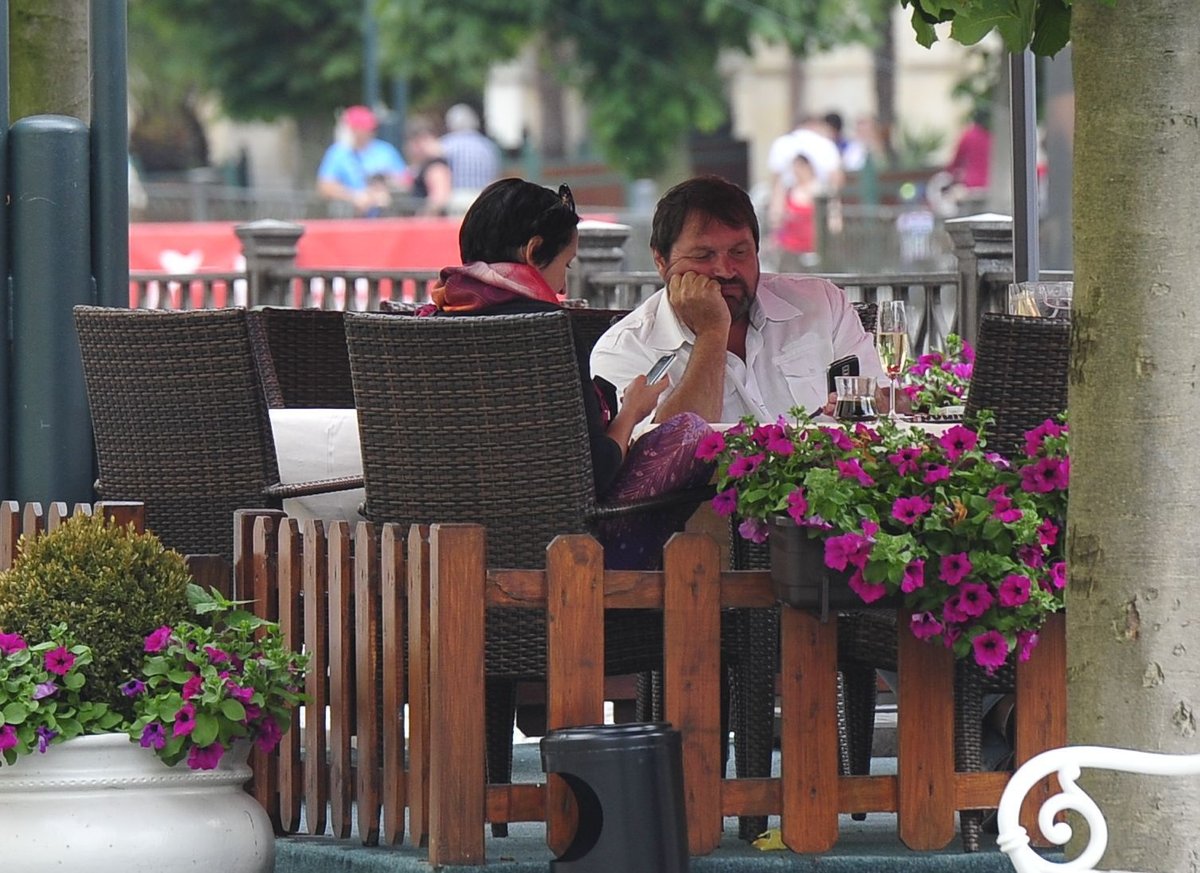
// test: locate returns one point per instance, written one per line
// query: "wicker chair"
(181, 422)
(301, 357)
(481, 419)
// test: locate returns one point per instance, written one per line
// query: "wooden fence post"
(418, 684)
(392, 581)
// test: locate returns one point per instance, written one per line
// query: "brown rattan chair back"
(1020, 375)
(590, 324)
(179, 418)
(868, 314)
(301, 357)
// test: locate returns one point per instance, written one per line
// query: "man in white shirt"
(745, 343)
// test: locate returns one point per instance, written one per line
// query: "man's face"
(727, 254)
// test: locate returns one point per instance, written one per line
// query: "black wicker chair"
(481, 419)
(301, 357)
(181, 422)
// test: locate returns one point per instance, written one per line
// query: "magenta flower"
(238, 693)
(953, 568)
(866, 433)
(869, 528)
(1034, 439)
(991, 650)
(185, 720)
(10, 644)
(974, 599)
(908, 510)
(914, 576)
(924, 625)
(744, 465)
(797, 505)
(868, 591)
(191, 687)
(957, 441)
(1014, 590)
(59, 661)
(268, 735)
(253, 713)
(158, 640)
(935, 473)
(968, 352)
(1047, 532)
(206, 758)
(1058, 575)
(950, 635)
(215, 655)
(852, 469)
(847, 549)
(839, 439)
(44, 735)
(952, 610)
(153, 736)
(725, 502)
(133, 687)
(762, 433)
(44, 690)
(8, 737)
(710, 446)
(1031, 555)
(905, 460)
(1027, 640)
(1008, 514)
(754, 530)
(1048, 474)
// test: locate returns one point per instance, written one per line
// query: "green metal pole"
(5, 325)
(109, 153)
(51, 272)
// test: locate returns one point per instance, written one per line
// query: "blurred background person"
(795, 234)
(428, 168)
(473, 158)
(358, 168)
(969, 166)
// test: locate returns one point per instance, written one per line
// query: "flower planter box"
(802, 580)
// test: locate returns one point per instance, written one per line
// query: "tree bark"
(1134, 677)
(48, 61)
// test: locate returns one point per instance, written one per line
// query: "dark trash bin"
(627, 780)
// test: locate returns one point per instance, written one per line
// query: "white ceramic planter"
(103, 804)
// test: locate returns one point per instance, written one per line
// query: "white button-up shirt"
(799, 325)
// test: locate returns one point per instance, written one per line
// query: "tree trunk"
(48, 62)
(1134, 680)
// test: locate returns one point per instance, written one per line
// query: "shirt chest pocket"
(804, 358)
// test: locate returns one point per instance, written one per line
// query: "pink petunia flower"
(852, 469)
(268, 735)
(185, 720)
(1007, 515)
(762, 433)
(725, 502)
(839, 439)
(914, 576)
(158, 640)
(957, 441)
(191, 687)
(153, 736)
(797, 505)
(710, 446)
(206, 758)
(1031, 555)
(935, 473)
(43, 690)
(1014, 590)
(215, 655)
(952, 611)
(779, 444)
(1058, 575)
(59, 661)
(1027, 641)
(925, 625)
(44, 736)
(744, 465)
(8, 737)
(1047, 532)
(846, 550)
(868, 591)
(754, 530)
(238, 693)
(953, 568)
(905, 460)
(991, 650)
(1048, 474)
(908, 510)
(974, 599)
(869, 528)
(10, 644)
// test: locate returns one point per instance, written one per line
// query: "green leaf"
(1053, 29)
(14, 713)
(205, 732)
(233, 709)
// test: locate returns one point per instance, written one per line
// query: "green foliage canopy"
(1043, 26)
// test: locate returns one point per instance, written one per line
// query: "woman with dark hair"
(517, 242)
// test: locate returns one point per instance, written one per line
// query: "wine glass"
(891, 339)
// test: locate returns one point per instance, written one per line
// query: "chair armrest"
(697, 495)
(319, 486)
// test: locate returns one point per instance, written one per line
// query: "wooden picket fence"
(349, 597)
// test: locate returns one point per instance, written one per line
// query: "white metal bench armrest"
(1067, 763)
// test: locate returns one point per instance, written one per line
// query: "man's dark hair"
(712, 196)
(509, 213)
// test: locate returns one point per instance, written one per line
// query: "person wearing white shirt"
(746, 343)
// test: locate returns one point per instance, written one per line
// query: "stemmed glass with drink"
(891, 339)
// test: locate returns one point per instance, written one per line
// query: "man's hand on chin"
(698, 303)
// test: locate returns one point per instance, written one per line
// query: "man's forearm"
(701, 389)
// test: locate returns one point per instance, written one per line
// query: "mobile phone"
(660, 368)
(847, 366)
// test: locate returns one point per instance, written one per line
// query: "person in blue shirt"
(361, 170)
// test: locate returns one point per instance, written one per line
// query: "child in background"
(796, 233)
